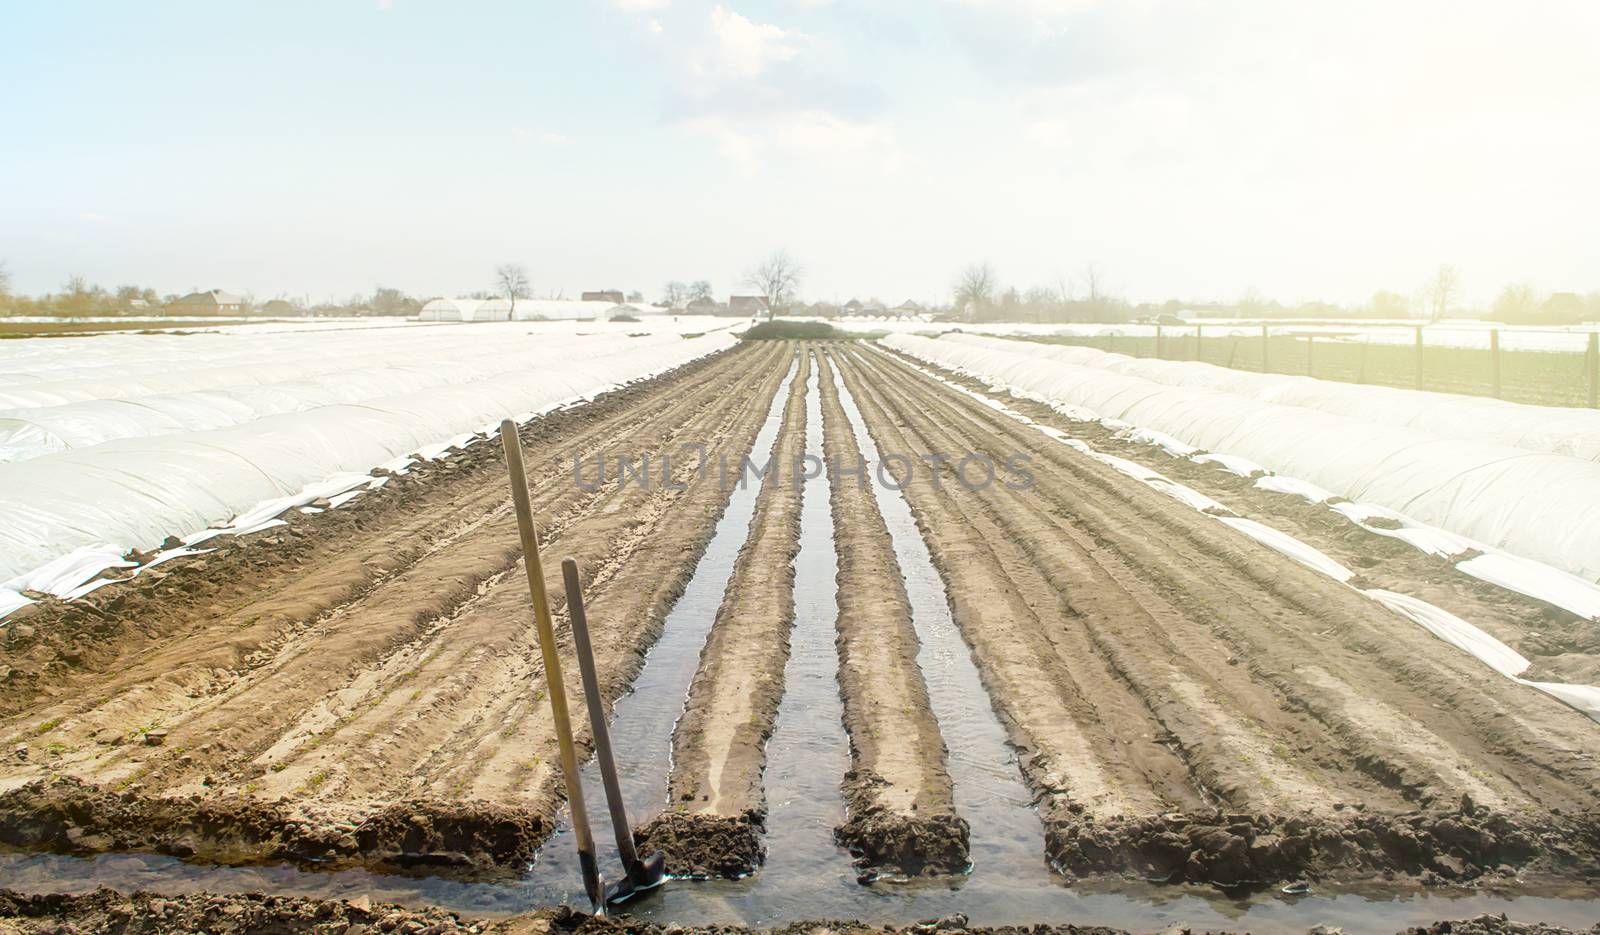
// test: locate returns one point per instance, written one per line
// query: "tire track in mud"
(902, 818)
(1205, 633)
(713, 826)
(387, 724)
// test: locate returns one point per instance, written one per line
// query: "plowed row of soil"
(364, 685)
(1191, 705)
(1562, 646)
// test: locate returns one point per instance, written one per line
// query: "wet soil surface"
(1193, 706)
(108, 911)
(902, 819)
(363, 685)
(360, 689)
(719, 744)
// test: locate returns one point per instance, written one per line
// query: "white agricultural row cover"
(1534, 504)
(1462, 334)
(61, 394)
(1550, 429)
(123, 440)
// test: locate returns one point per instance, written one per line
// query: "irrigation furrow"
(902, 818)
(642, 721)
(717, 814)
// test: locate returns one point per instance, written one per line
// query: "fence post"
(1494, 361)
(1159, 350)
(1419, 357)
(1594, 370)
(1266, 345)
(1311, 355)
(1197, 353)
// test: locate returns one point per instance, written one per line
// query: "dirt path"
(902, 818)
(1192, 704)
(714, 825)
(406, 725)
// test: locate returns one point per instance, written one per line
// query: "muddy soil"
(717, 806)
(406, 725)
(1191, 705)
(902, 819)
(108, 911)
(1562, 646)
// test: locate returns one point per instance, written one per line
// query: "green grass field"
(1546, 378)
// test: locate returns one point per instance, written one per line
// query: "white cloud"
(817, 136)
(555, 139)
(641, 6)
(744, 48)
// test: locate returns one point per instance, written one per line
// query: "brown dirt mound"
(703, 846)
(1240, 849)
(109, 911)
(1487, 924)
(71, 816)
(890, 844)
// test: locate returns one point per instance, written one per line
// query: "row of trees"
(776, 279)
(979, 296)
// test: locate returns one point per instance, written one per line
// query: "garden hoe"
(642, 875)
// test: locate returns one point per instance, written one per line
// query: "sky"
(1201, 150)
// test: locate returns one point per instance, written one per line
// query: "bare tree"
(511, 281)
(1094, 284)
(1516, 302)
(1441, 289)
(975, 287)
(777, 278)
(5, 280)
(700, 289)
(675, 294)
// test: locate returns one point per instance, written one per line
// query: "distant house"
(705, 305)
(748, 305)
(279, 307)
(614, 296)
(139, 304)
(907, 309)
(853, 307)
(211, 302)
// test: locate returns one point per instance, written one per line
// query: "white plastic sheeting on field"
(1538, 505)
(138, 386)
(97, 479)
(1574, 432)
